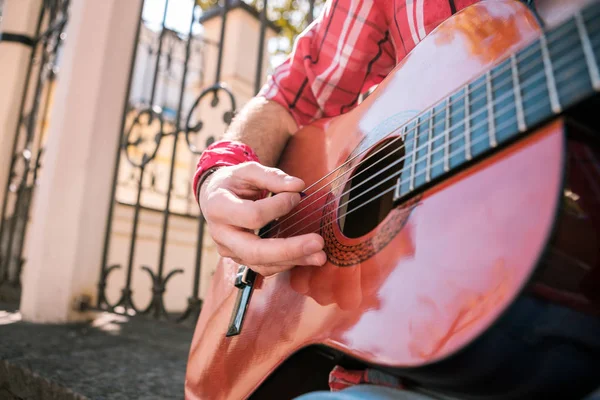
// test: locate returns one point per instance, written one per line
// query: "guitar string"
(460, 150)
(573, 54)
(457, 151)
(424, 158)
(526, 54)
(462, 96)
(396, 162)
(371, 199)
(501, 112)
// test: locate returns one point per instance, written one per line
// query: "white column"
(19, 17)
(71, 208)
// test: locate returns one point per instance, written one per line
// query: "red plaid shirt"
(349, 48)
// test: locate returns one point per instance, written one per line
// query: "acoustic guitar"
(456, 201)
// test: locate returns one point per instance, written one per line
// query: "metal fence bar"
(127, 294)
(160, 46)
(104, 269)
(4, 258)
(224, 11)
(126, 300)
(28, 150)
(53, 16)
(261, 47)
(22, 203)
(194, 301)
(159, 280)
(153, 112)
(187, 124)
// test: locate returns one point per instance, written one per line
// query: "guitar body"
(432, 282)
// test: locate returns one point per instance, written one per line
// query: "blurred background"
(105, 106)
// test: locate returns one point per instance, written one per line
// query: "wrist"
(204, 179)
(220, 154)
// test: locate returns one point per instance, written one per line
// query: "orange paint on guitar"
(466, 249)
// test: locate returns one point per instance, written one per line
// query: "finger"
(271, 179)
(258, 251)
(224, 251)
(229, 209)
(268, 270)
(216, 232)
(317, 259)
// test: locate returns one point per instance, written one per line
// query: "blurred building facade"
(102, 119)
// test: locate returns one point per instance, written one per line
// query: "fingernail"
(312, 247)
(295, 200)
(290, 179)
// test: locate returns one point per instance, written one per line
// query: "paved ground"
(112, 358)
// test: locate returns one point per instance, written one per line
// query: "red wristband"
(222, 154)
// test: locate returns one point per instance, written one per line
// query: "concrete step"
(112, 357)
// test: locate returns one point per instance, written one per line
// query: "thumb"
(272, 179)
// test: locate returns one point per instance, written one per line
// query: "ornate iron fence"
(28, 145)
(157, 130)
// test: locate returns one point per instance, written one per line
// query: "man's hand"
(228, 200)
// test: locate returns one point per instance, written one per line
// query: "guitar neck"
(550, 75)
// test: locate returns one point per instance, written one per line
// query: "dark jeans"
(540, 351)
(370, 392)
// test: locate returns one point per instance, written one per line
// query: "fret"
(403, 134)
(429, 144)
(447, 137)
(590, 59)
(547, 76)
(551, 83)
(573, 61)
(408, 138)
(505, 117)
(467, 125)
(562, 39)
(517, 93)
(490, 110)
(478, 117)
(456, 149)
(422, 156)
(411, 185)
(535, 92)
(571, 71)
(438, 146)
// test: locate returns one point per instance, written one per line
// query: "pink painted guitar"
(465, 189)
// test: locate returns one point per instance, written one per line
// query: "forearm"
(265, 126)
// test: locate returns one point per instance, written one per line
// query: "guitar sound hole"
(368, 182)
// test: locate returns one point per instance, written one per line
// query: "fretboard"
(555, 72)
